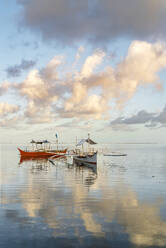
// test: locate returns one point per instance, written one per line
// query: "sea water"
(119, 203)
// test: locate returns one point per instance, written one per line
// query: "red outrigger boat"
(43, 151)
(56, 153)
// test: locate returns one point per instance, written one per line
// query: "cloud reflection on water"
(69, 207)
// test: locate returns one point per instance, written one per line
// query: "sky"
(74, 67)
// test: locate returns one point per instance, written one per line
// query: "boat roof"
(89, 141)
(39, 142)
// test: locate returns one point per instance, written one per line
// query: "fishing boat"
(88, 157)
(42, 149)
(39, 153)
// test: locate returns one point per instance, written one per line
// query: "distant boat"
(115, 154)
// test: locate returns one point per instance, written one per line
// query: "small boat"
(42, 149)
(115, 154)
(42, 153)
(85, 158)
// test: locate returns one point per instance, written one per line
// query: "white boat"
(88, 157)
(115, 154)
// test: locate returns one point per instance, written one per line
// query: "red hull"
(41, 153)
(42, 159)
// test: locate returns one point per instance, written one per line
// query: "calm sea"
(119, 204)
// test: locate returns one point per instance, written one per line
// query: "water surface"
(121, 203)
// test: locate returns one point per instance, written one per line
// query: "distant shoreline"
(138, 143)
(73, 143)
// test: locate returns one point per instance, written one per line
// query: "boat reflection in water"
(38, 159)
(40, 163)
(88, 169)
(87, 172)
(85, 165)
(36, 164)
(68, 205)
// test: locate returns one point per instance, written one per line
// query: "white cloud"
(91, 63)
(4, 87)
(89, 93)
(7, 109)
(140, 67)
(50, 71)
(34, 87)
(78, 55)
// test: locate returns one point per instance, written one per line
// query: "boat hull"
(41, 153)
(59, 151)
(37, 159)
(86, 160)
(115, 154)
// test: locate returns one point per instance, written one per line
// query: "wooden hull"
(59, 151)
(86, 160)
(40, 154)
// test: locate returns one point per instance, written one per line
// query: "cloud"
(78, 55)
(34, 88)
(96, 21)
(9, 115)
(161, 118)
(91, 107)
(50, 71)
(121, 127)
(41, 90)
(45, 91)
(140, 118)
(16, 70)
(4, 87)
(6, 109)
(93, 91)
(140, 67)
(11, 122)
(40, 86)
(35, 114)
(91, 63)
(83, 125)
(150, 120)
(39, 95)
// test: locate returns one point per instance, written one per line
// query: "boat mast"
(88, 140)
(57, 140)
